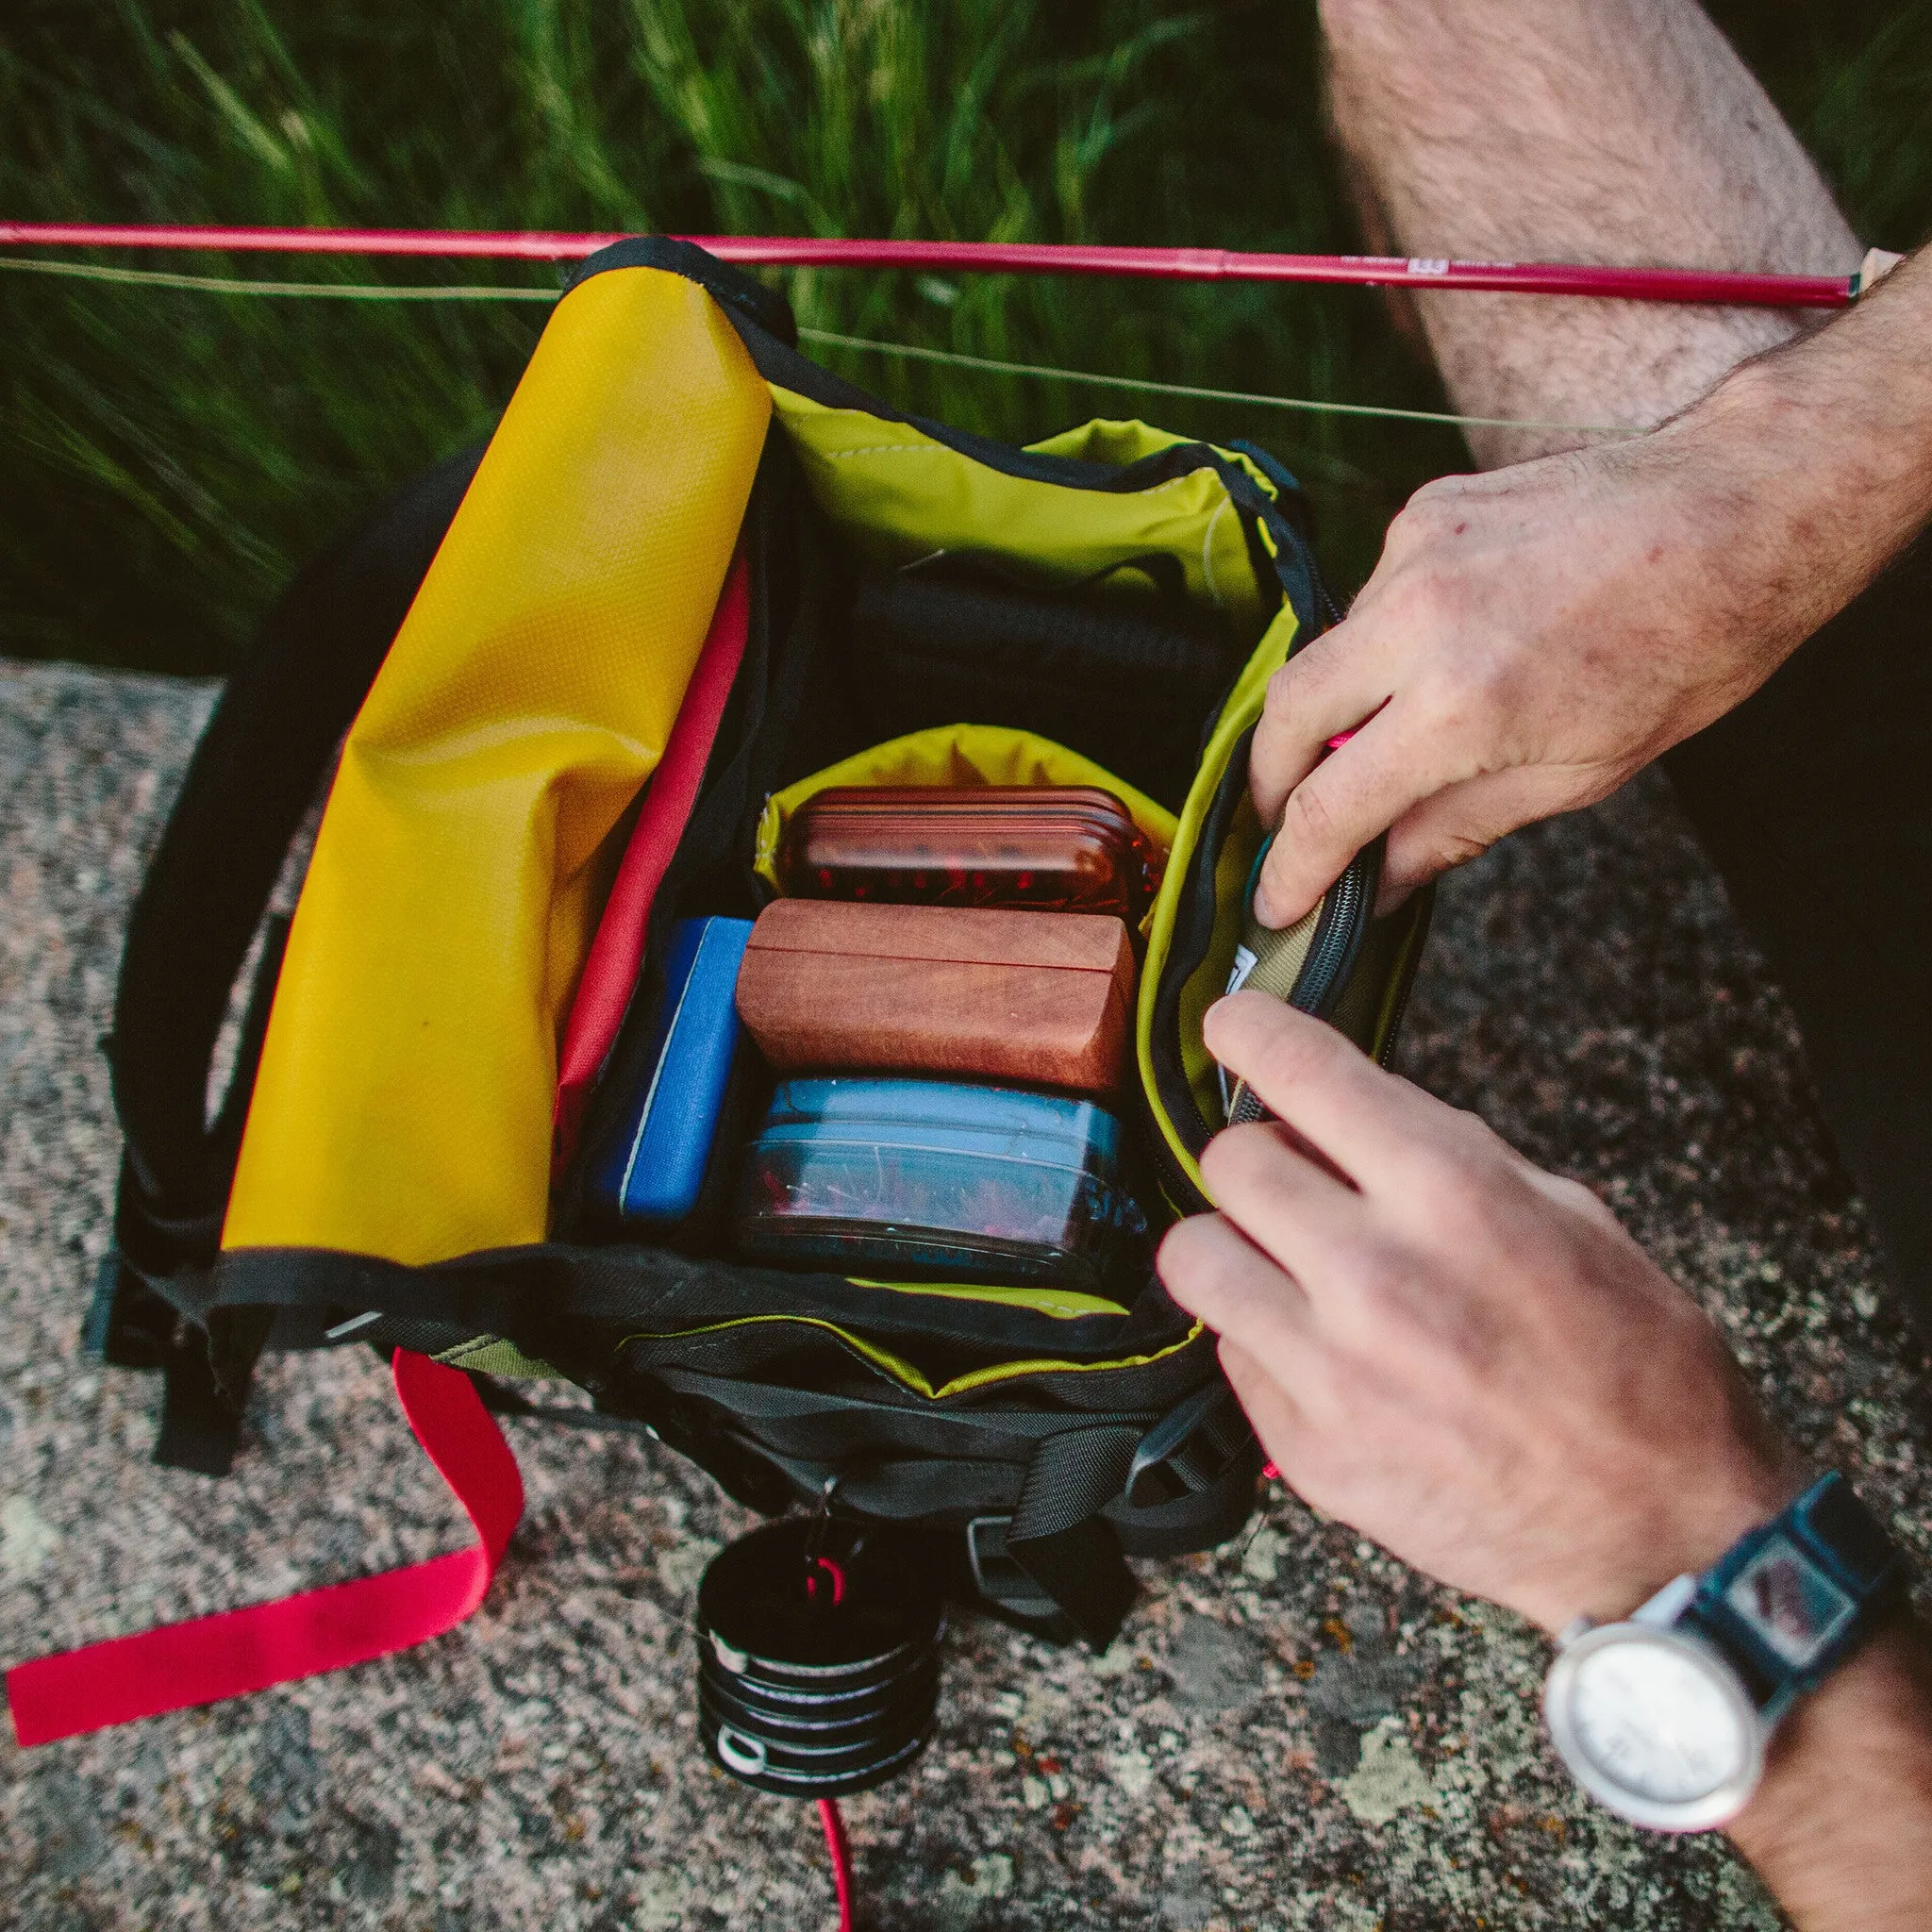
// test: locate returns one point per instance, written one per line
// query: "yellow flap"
(403, 1103)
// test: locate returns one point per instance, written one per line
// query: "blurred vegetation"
(169, 456)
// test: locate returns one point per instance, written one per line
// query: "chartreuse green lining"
(1063, 1304)
(1110, 442)
(1242, 707)
(902, 1370)
(1106, 441)
(1209, 979)
(491, 1355)
(958, 755)
(897, 496)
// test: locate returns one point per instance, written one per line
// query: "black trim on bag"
(742, 296)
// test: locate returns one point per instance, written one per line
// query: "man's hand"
(1457, 1354)
(1469, 1362)
(1533, 636)
(1530, 639)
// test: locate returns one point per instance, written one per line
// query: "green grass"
(169, 456)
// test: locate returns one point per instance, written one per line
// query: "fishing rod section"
(1724, 286)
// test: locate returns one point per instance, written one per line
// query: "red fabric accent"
(1728, 286)
(617, 953)
(234, 1652)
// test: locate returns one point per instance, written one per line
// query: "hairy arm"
(1469, 1360)
(1841, 1827)
(1533, 636)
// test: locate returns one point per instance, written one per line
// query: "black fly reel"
(818, 1656)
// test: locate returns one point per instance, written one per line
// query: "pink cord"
(1024, 257)
(841, 1849)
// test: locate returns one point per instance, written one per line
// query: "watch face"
(1655, 1725)
(1793, 1607)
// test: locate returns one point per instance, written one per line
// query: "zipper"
(1338, 941)
(1332, 955)
(1187, 948)
(1411, 965)
(1182, 1192)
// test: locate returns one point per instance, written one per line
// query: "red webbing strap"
(234, 1652)
(617, 953)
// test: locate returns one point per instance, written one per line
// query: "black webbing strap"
(1198, 1519)
(1093, 1493)
(201, 1421)
(1049, 1505)
(1058, 1536)
(247, 787)
(499, 1399)
(130, 1327)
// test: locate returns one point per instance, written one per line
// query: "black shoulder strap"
(252, 779)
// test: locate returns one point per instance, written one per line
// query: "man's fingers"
(1214, 1271)
(1355, 793)
(1302, 1214)
(1372, 1126)
(1328, 687)
(1277, 1419)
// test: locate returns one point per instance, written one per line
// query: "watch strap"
(1790, 1599)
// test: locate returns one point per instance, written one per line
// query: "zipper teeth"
(1412, 968)
(1324, 602)
(1175, 1180)
(1396, 1017)
(1335, 939)
(1334, 943)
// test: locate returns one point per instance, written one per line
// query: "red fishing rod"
(1728, 287)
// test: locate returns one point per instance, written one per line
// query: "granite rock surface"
(1295, 1732)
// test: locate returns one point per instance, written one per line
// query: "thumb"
(1358, 791)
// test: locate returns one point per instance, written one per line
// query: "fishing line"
(958, 361)
(385, 291)
(225, 285)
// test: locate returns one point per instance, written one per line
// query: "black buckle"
(997, 1577)
(1188, 1449)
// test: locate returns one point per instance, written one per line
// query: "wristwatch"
(1664, 1717)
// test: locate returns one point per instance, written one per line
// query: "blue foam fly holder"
(652, 1169)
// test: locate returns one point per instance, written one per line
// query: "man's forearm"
(1574, 131)
(1841, 1827)
(1817, 463)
